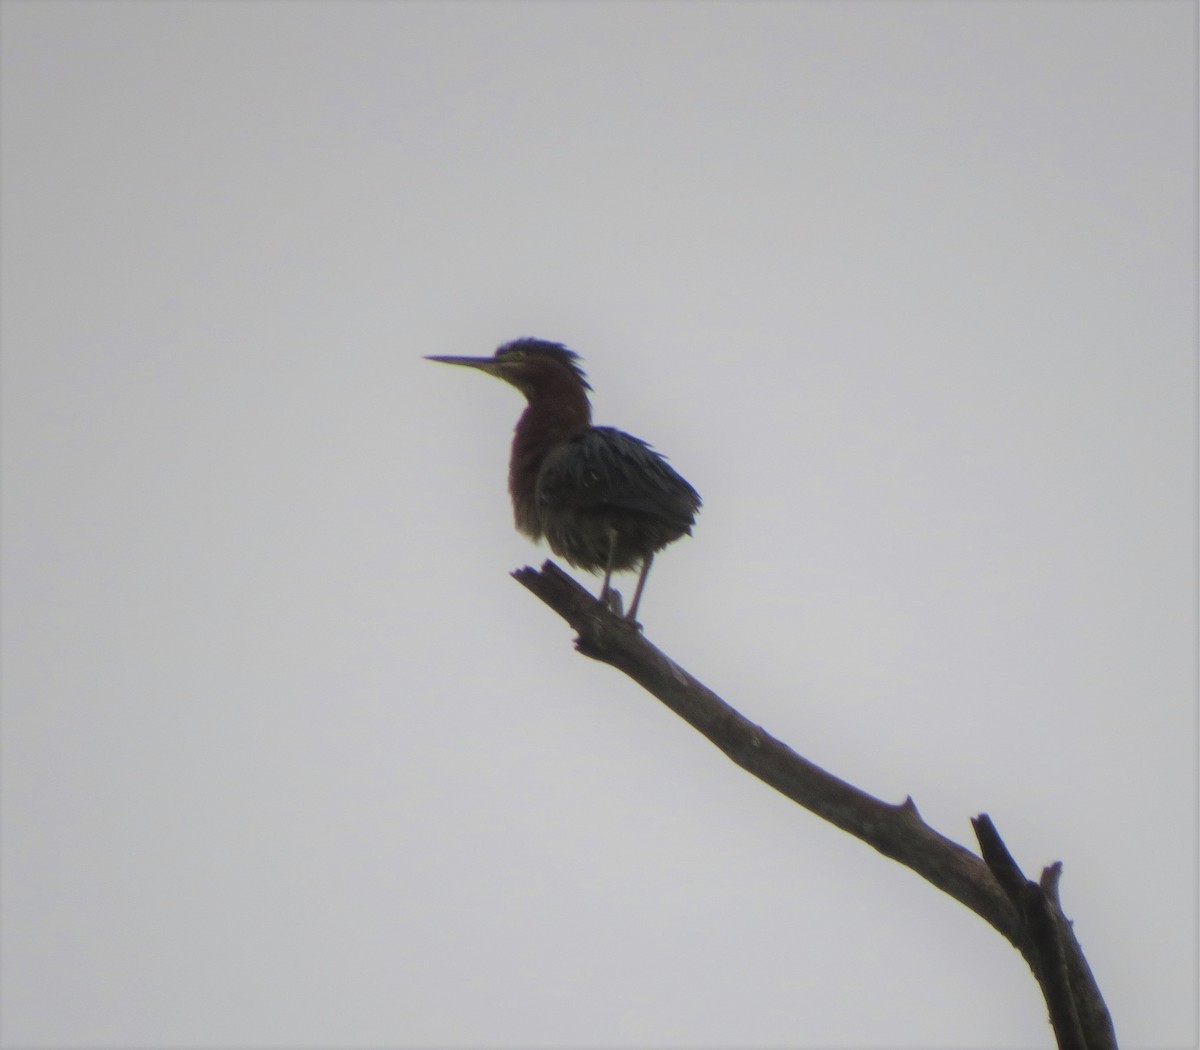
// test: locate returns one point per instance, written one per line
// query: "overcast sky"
(906, 290)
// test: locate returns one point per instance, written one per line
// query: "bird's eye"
(512, 355)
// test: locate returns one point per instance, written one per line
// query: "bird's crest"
(530, 347)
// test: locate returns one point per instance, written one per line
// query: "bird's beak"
(484, 364)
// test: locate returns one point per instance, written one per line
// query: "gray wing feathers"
(604, 468)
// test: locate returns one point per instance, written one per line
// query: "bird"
(602, 499)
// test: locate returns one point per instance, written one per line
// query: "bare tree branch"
(1026, 914)
(1039, 938)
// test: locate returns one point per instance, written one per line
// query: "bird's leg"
(637, 594)
(607, 594)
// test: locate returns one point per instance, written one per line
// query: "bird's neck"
(542, 426)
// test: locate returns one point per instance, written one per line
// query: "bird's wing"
(604, 468)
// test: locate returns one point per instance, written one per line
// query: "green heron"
(605, 501)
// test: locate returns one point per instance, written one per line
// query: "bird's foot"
(612, 598)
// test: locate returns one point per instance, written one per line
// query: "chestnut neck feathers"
(558, 409)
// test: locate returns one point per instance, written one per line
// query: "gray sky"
(905, 290)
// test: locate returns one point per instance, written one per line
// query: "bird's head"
(534, 366)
